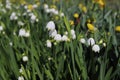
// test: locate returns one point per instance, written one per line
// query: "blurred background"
(113, 3)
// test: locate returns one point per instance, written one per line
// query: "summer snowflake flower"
(20, 78)
(56, 12)
(13, 16)
(47, 10)
(48, 43)
(72, 32)
(27, 34)
(64, 38)
(45, 6)
(22, 32)
(20, 70)
(91, 41)
(33, 18)
(96, 48)
(50, 25)
(25, 58)
(20, 23)
(1, 28)
(11, 44)
(35, 6)
(58, 37)
(66, 33)
(73, 36)
(61, 14)
(82, 40)
(53, 33)
(104, 44)
(52, 10)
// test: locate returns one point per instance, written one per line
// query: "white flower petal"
(48, 43)
(82, 40)
(25, 58)
(91, 41)
(58, 37)
(96, 48)
(50, 25)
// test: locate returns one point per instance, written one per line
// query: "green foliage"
(64, 60)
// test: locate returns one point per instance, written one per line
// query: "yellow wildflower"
(90, 27)
(81, 6)
(84, 9)
(30, 7)
(71, 22)
(117, 28)
(101, 3)
(76, 15)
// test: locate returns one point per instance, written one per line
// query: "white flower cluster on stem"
(73, 34)
(54, 34)
(13, 16)
(52, 10)
(24, 33)
(95, 47)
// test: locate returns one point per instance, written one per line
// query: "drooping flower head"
(96, 48)
(50, 25)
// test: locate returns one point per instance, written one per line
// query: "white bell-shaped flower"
(96, 48)
(48, 43)
(82, 40)
(91, 41)
(50, 25)
(58, 37)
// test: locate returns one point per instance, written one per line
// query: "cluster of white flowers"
(33, 17)
(95, 47)
(73, 34)
(20, 78)
(8, 4)
(24, 33)
(91, 42)
(58, 37)
(65, 38)
(13, 16)
(52, 10)
(53, 33)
